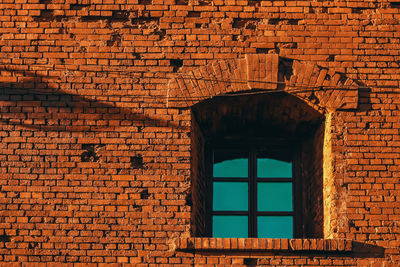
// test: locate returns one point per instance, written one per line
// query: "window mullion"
(252, 195)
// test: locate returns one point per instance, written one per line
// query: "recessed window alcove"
(280, 125)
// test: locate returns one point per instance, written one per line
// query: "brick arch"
(319, 87)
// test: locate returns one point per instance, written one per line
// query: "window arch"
(265, 127)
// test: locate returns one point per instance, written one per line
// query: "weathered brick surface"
(95, 123)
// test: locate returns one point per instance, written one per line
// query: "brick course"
(96, 152)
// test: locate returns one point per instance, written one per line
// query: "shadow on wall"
(31, 102)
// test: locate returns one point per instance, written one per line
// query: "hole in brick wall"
(198, 25)
(286, 45)
(245, 23)
(254, 3)
(293, 21)
(145, 23)
(311, 10)
(90, 154)
(78, 6)
(273, 21)
(45, 15)
(250, 262)
(120, 16)
(4, 238)
(356, 10)
(188, 200)
(285, 69)
(136, 56)
(205, 2)
(161, 33)
(136, 207)
(176, 64)
(181, 2)
(262, 50)
(144, 2)
(33, 245)
(45, 1)
(194, 14)
(115, 40)
(92, 18)
(395, 4)
(328, 77)
(137, 162)
(144, 194)
(283, 21)
(331, 58)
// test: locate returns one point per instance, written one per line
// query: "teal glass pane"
(230, 164)
(230, 196)
(275, 226)
(230, 226)
(272, 168)
(274, 196)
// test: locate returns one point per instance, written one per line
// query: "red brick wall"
(95, 167)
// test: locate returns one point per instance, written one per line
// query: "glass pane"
(230, 196)
(275, 226)
(230, 226)
(230, 164)
(274, 196)
(272, 168)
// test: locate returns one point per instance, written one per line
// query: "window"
(257, 168)
(252, 195)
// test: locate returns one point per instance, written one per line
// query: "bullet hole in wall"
(137, 162)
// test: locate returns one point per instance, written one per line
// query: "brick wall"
(95, 149)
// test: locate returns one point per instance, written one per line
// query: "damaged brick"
(262, 50)
(285, 69)
(395, 4)
(90, 155)
(283, 21)
(161, 33)
(48, 15)
(120, 16)
(137, 162)
(144, 194)
(144, 23)
(78, 6)
(115, 40)
(194, 14)
(286, 45)
(182, 2)
(176, 64)
(245, 23)
(4, 238)
(144, 2)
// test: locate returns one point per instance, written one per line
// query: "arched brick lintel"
(319, 87)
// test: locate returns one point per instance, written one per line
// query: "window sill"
(263, 244)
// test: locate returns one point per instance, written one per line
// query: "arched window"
(257, 167)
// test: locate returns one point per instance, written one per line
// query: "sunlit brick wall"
(96, 167)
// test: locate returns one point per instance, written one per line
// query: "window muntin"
(266, 190)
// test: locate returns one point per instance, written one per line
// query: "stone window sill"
(263, 244)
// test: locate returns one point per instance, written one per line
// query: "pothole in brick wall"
(144, 194)
(137, 162)
(91, 152)
(176, 64)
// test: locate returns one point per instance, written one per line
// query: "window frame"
(252, 148)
